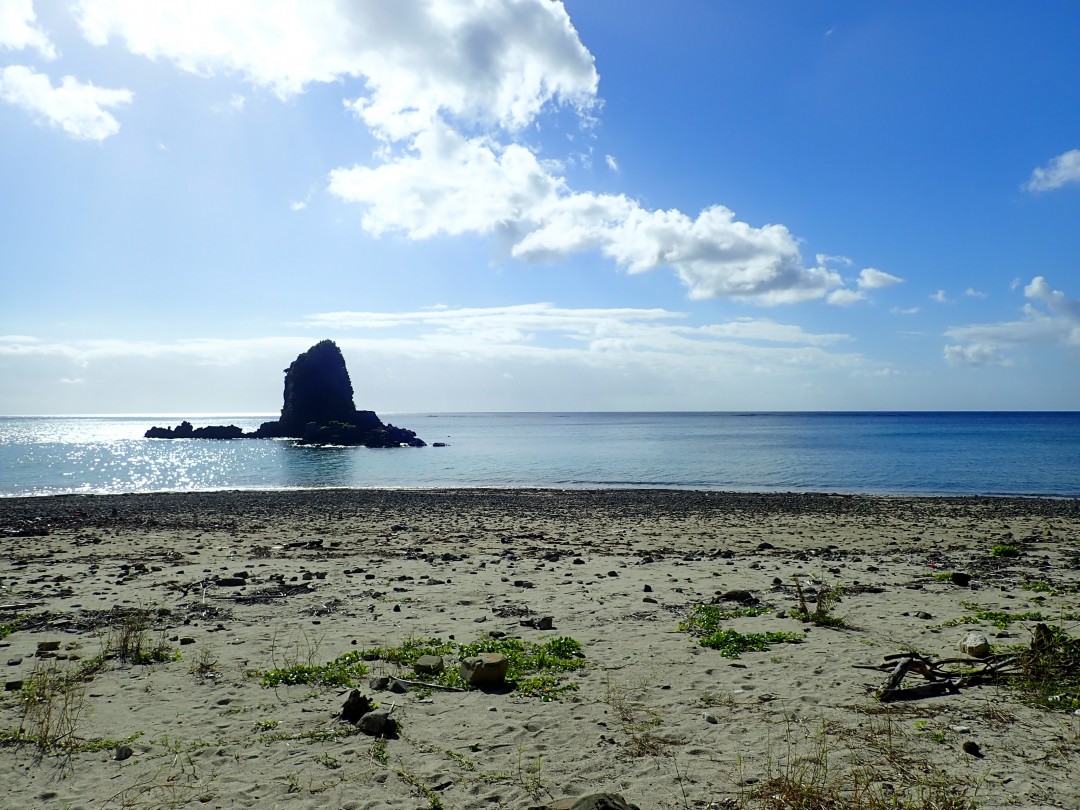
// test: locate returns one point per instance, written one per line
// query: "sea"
(953, 453)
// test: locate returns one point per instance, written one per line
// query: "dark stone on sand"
(318, 409)
(741, 596)
(428, 665)
(122, 752)
(484, 671)
(378, 723)
(356, 706)
(960, 578)
(594, 801)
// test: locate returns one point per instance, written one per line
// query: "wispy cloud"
(80, 110)
(1050, 319)
(1061, 171)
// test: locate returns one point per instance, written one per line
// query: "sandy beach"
(233, 585)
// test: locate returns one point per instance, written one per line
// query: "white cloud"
(904, 310)
(1060, 171)
(971, 292)
(449, 88)
(489, 61)
(870, 278)
(825, 259)
(975, 354)
(76, 108)
(940, 297)
(611, 162)
(18, 28)
(1055, 324)
(845, 297)
(597, 358)
(763, 329)
(1055, 300)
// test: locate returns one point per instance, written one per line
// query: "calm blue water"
(924, 453)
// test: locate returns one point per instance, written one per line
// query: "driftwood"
(19, 606)
(939, 681)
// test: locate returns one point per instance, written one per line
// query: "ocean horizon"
(1032, 453)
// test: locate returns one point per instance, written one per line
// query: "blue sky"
(528, 205)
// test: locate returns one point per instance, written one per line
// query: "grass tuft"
(704, 623)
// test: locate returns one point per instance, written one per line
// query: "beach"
(231, 586)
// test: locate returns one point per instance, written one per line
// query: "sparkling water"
(903, 453)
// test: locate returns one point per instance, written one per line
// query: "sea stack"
(318, 408)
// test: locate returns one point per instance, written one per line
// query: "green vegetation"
(345, 671)
(1001, 619)
(378, 751)
(822, 614)
(1004, 550)
(8, 628)
(130, 643)
(704, 623)
(1047, 588)
(1050, 669)
(535, 669)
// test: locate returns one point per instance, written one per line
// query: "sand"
(655, 717)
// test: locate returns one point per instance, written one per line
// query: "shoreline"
(249, 580)
(920, 495)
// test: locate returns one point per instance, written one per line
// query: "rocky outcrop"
(185, 431)
(318, 409)
(318, 391)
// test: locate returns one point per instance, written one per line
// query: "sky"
(526, 205)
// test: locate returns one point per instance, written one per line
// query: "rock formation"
(318, 409)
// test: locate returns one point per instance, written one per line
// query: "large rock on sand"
(484, 671)
(976, 645)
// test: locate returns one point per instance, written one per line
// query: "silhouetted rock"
(185, 431)
(318, 409)
(318, 390)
